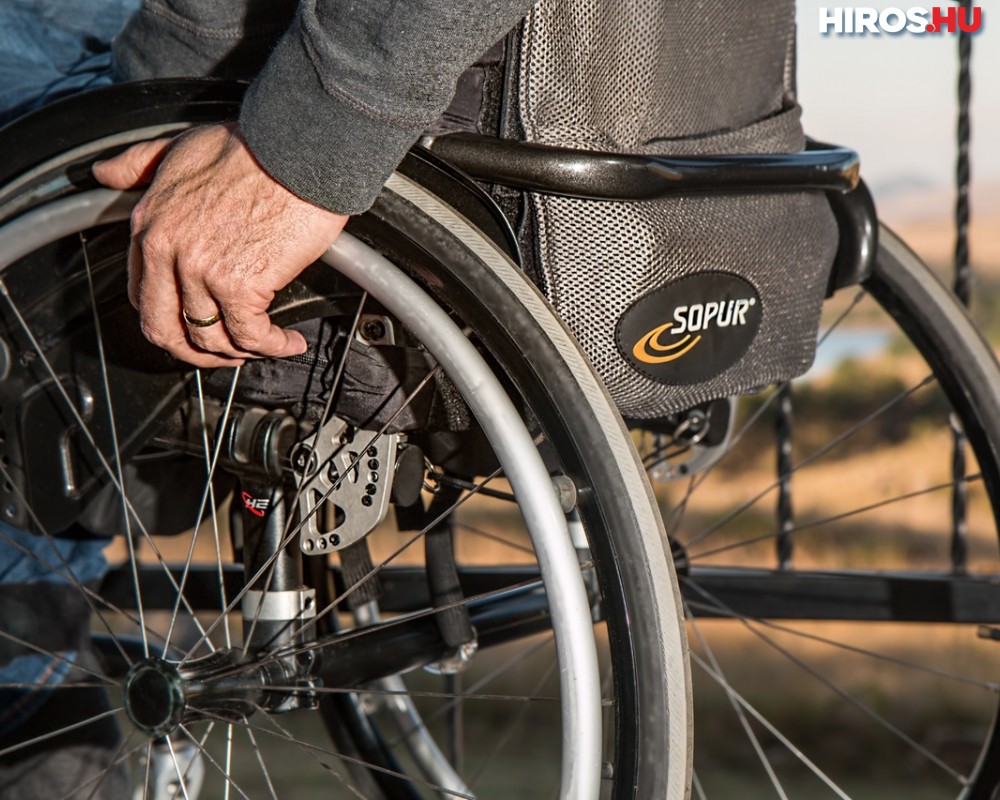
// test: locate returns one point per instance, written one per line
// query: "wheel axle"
(160, 696)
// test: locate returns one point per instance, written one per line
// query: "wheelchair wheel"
(840, 561)
(554, 659)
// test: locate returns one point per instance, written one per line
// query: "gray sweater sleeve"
(347, 89)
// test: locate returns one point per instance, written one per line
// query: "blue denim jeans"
(32, 567)
(48, 49)
(53, 48)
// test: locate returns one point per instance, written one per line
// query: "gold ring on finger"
(200, 322)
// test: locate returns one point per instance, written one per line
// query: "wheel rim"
(796, 694)
(172, 758)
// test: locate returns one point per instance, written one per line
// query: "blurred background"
(894, 100)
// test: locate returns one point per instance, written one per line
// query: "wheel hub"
(154, 697)
(159, 696)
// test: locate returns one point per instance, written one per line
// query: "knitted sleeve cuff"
(324, 145)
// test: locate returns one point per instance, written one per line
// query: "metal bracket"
(349, 470)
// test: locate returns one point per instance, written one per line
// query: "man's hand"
(214, 235)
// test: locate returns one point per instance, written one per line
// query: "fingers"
(214, 234)
(133, 168)
(157, 290)
(159, 302)
(251, 330)
(245, 329)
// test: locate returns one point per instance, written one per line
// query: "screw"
(373, 477)
(697, 420)
(301, 458)
(370, 489)
(373, 330)
(372, 463)
(366, 501)
(372, 452)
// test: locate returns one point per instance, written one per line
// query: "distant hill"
(923, 216)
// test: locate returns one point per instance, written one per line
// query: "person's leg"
(44, 657)
(53, 48)
(50, 49)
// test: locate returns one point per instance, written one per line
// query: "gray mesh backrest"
(673, 77)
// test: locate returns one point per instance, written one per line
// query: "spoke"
(67, 571)
(88, 434)
(518, 698)
(901, 662)
(187, 772)
(284, 734)
(509, 664)
(845, 695)
(180, 776)
(208, 757)
(112, 424)
(75, 791)
(54, 686)
(115, 760)
(92, 597)
(459, 483)
(774, 731)
(149, 761)
(215, 516)
(60, 732)
(406, 619)
(269, 565)
(307, 479)
(333, 604)
(260, 760)
(858, 297)
(696, 785)
(206, 493)
(229, 758)
(308, 749)
(678, 511)
(495, 538)
(815, 456)
(817, 523)
(512, 726)
(49, 654)
(744, 722)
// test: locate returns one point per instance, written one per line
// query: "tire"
(848, 652)
(562, 417)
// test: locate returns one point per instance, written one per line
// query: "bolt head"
(301, 458)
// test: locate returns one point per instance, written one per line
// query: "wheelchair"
(428, 560)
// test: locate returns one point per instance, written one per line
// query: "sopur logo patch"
(691, 329)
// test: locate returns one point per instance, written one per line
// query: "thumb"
(133, 168)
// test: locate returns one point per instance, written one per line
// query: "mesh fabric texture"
(674, 77)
